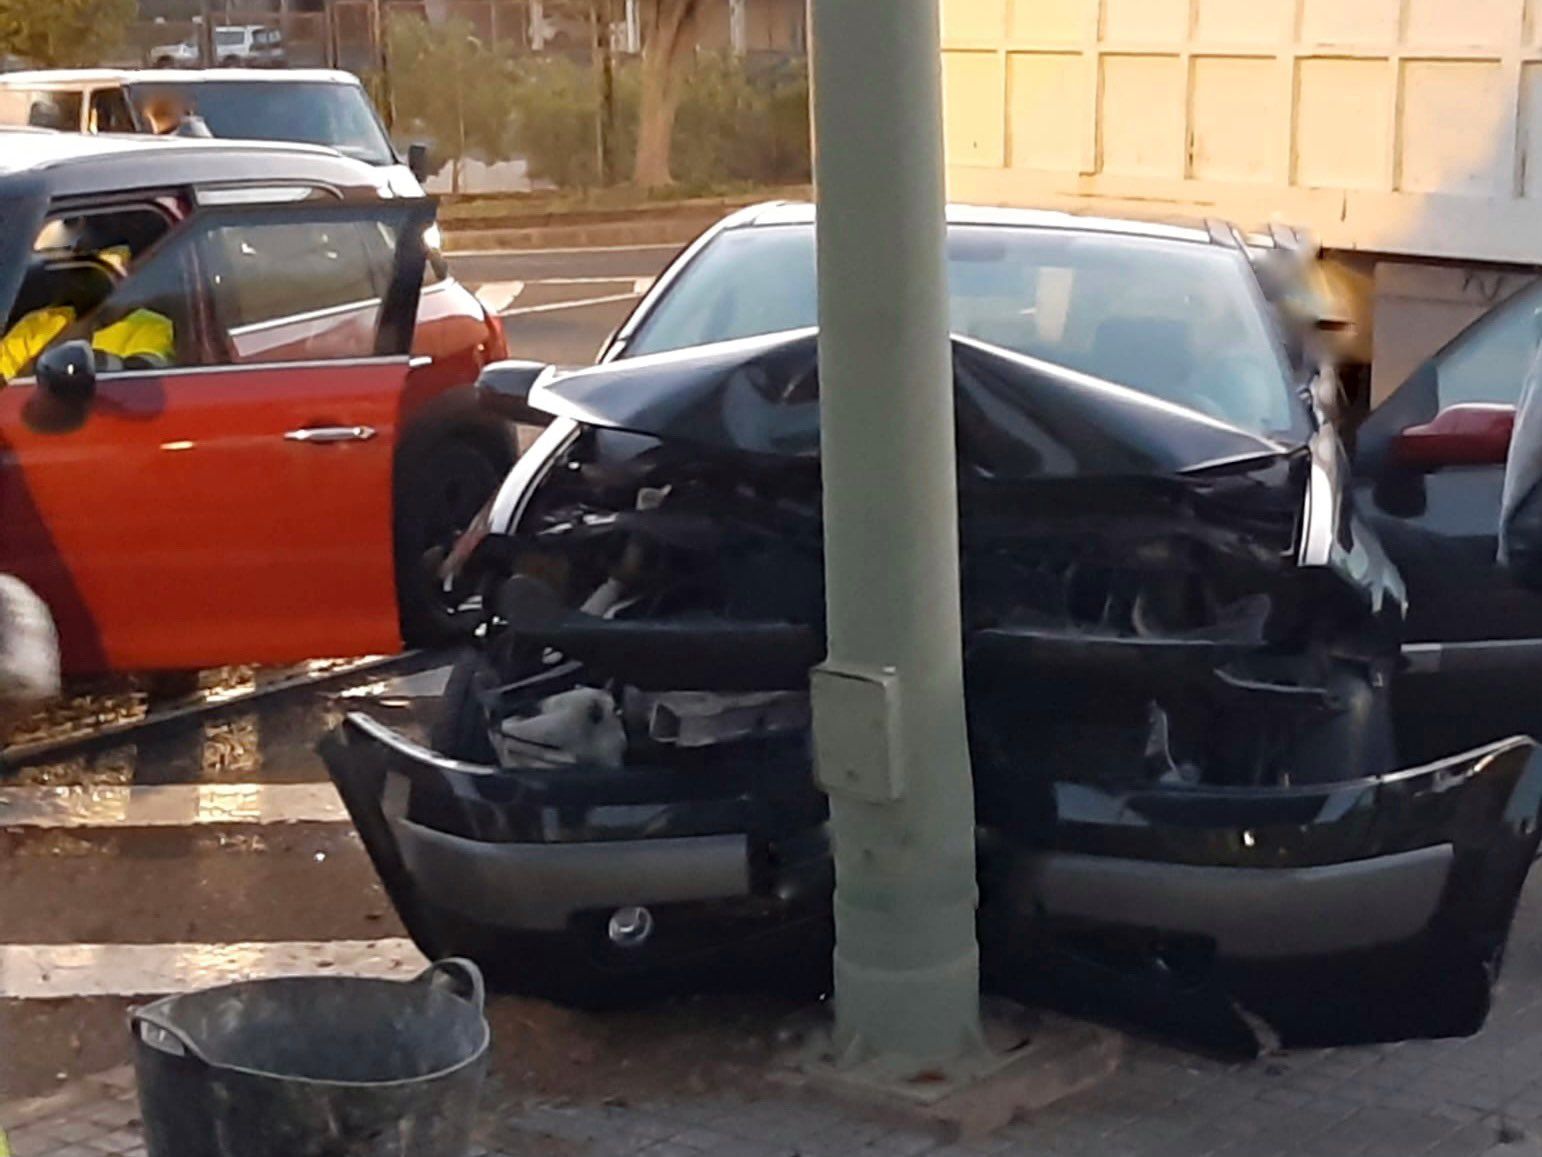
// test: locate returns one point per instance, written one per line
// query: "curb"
(600, 235)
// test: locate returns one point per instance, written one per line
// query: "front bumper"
(1369, 909)
(523, 870)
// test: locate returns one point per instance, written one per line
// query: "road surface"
(559, 306)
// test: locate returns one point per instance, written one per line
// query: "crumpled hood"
(1018, 417)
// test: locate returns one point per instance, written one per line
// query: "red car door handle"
(321, 435)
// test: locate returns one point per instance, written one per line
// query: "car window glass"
(300, 290)
(1179, 320)
(1489, 362)
(110, 111)
(83, 267)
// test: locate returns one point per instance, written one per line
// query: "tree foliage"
(734, 124)
(64, 33)
(452, 87)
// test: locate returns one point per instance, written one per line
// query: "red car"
(285, 487)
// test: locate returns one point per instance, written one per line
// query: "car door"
(235, 507)
(1430, 466)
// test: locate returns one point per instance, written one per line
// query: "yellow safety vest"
(142, 333)
(30, 336)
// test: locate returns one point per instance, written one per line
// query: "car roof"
(84, 78)
(74, 163)
(1167, 229)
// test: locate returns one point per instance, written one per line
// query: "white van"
(310, 106)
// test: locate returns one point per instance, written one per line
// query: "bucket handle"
(457, 975)
(163, 1036)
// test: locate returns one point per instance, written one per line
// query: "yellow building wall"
(1397, 126)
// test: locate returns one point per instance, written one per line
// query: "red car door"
(237, 507)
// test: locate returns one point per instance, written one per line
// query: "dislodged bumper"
(1371, 909)
(525, 868)
(1368, 909)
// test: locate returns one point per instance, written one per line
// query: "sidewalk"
(1479, 1097)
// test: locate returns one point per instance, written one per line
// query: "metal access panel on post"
(856, 731)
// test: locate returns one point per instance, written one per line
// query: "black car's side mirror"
(417, 161)
(503, 388)
(66, 387)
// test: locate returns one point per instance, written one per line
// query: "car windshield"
(1175, 319)
(338, 116)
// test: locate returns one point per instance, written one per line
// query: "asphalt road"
(560, 305)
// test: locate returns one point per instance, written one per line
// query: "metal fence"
(346, 33)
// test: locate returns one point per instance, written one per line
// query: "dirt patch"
(691, 1046)
(46, 1043)
(541, 1053)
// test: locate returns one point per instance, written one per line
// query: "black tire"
(440, 488)
(460, 729)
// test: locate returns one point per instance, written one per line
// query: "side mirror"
(503, 388)
(417, 161)
(1469, 434)
(66, 387)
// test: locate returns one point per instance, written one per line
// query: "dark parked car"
(1223, 775)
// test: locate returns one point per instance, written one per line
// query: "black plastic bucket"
(315, 1066)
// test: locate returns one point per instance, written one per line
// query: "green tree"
(448, 84)
(64, 33)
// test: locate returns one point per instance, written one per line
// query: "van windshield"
(338, 116)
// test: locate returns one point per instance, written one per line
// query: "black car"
(1229, 765)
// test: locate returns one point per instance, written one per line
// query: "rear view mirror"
(1470, 434)
(504, 389)
(66, 387)
(417, 161)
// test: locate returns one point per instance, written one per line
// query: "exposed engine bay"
(662, 599)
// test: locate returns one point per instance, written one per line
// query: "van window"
(110, 112)
(39, 108)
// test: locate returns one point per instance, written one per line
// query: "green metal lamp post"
(888, 703)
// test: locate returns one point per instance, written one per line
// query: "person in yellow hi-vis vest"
(142, 340)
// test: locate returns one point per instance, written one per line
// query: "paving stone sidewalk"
(1479, 1097)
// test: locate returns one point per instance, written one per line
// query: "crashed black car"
(1247, 711)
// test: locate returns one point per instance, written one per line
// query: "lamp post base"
(1027, 1061)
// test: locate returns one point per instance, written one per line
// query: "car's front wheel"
(440, 487)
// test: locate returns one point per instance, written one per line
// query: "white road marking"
(428, 684)
(672, 247)
(170, 805)
(585, 303)
(497, 296)
(617, 279)
(61, 971)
